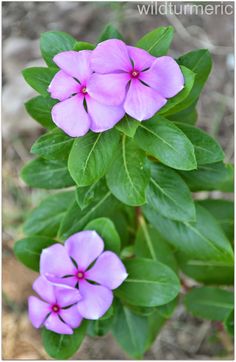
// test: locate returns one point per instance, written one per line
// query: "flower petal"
(111, 56)
(71, 116)
(96, 300)
(53, 323)
(141, 59)
(108, 270)
(71, 316)
(63, 86)
(75, 64)
(142, 102)
(55, 262)
(66, 296)
(44, 289)
(103, 117)
(108, 88)
(84, 247)
(165, 76)
(38, 311)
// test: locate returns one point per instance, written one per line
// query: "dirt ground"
(183, 337)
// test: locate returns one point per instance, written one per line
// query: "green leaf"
(129, 174)
(46, 217)
(189, 77)
(28, 250)
(91, 156)
(162, 139)
(109, 32)
(54, 145)
(128, 126)
(209, 303)
(46, 174)
(86, 195)
(158, 283)
(150, 244)
(63, 346)
(169, 195)
(187, 115)
(40, 108)
(223, 211)
(158, 41)
(207, 150)
(206, 271)
(54, 42)
(99, 327)
(130, 331)
(203, 239)
(229, 323)
(199, 61)
(75, 219)
(39, 78)
(81, 45)
(215, 176)
(106, 229)
(155, 322)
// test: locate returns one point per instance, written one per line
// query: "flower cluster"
(76, 282)
(97, 87)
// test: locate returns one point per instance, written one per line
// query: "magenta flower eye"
(57, 310)
(82, 263)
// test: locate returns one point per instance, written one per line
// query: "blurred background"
(183, 337)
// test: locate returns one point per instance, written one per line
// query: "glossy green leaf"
(206, 271)
(40, 108)
(229, 323)
(169, 195)
(130, 331)
(189, 77)
(215, 176)
(188, 115)
(46, 174)
(209, 303)
(128, 126)
(99, 328)
(199, 61)
(106, 229)
(85, 195)
(54, 145)
(81, 45)
(203, 239)
(39, 78)
(150, 244)
(28, 250)
(162, 139)
(129, 174)
(158, 283)
(207, 150)
(157, 41)
(223, 211)
(110, 32)
(54, 42)
(91, 156)
(46, 217)
(63, 346)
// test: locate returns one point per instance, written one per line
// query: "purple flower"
(58, 311)
(80, 262)
(133, 77)
(78, 111)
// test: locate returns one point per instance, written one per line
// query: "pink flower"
(58, 312)
(78, 111)
(132, 77)
(82, 261)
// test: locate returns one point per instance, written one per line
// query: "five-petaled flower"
(82, 263)
(58, 312)
(131, 76)
(78, 110)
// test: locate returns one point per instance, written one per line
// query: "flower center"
(55, 308)
(84, 90)
(134, 74)
(80, 275)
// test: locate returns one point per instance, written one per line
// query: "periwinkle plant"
(122, 135)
